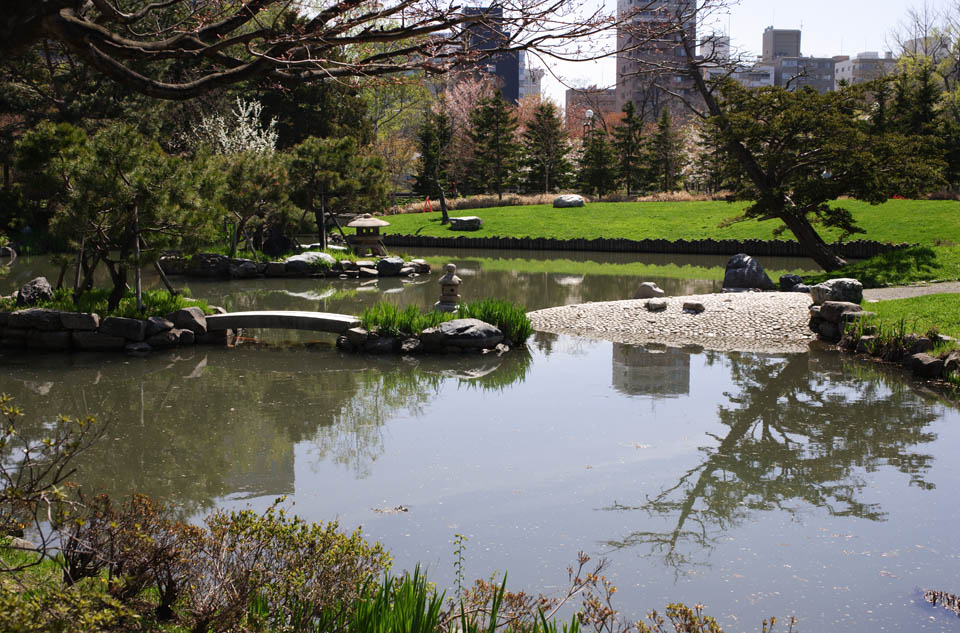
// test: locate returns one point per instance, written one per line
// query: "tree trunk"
(136, 258)
(812, 243)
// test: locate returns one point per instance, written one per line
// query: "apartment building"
(864, 67)
(651, 58)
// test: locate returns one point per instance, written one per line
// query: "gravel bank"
(746, 321)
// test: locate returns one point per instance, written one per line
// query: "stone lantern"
(449, 290)
(368, 238)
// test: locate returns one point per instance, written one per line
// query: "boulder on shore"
(462, 333)
(745, 273)
(35, 291)
(649, 290)
(568, 200)
(466, 223)
(843, 289)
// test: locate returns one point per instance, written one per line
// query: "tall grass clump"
(393, 321)
(508, 317)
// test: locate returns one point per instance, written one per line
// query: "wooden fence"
(859, 249)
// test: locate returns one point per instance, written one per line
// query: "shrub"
(155, 303)
(293, 570)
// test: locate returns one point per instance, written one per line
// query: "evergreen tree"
(492, 128)
(332, 175)
(629, 144)
(598, 169)
(546, 148)
(666, 154)
(433, 141)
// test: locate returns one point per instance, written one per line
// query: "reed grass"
(391, 320)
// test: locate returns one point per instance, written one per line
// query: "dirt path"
(905, 292)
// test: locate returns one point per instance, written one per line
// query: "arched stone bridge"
(283, 319)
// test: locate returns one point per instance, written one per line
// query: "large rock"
(208, 265)
(35, 319)
(467, 223)
(694, 307)
(97, 342)
(191, 318)
(53, 341)
(843, 289)
(275, 269)
(924, 365)
(308, 263)
(789, 282)
(79, 321)
(656, 305)
(34, 291)
(951, 363)
(130, 329)
(833, 311)
(244, 269)
(156, 324)
(568, 200)
(390, 266)
(167, 338)
(649, 290)
(462, 333)
(744, 272)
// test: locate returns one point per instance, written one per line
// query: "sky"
(830, 27)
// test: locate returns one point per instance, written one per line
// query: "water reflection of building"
(651, 370)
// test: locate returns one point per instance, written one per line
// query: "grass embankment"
(915, 221)
(155, 303)
(510, 319)
(911, 265)
(572, 267)
(940, 313)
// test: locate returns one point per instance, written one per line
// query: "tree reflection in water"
(791, 435)
(193, 426)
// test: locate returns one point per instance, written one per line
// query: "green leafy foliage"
(493, 126)
(433, 142)
(598, 172)
(336, 176)
(155, 303)
(546, 148)
(629, 143)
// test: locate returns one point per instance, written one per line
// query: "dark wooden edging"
(859, 249)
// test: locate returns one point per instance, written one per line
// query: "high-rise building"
(780, 43)
(530, 77)
(651, 57)
(864, 67)
(489, 34)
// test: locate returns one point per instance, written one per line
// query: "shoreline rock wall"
(42, 329)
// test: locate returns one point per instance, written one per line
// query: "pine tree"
(433, 141)
(598, 168)
(546, 148)
(666, 154)
(630, 146)
(492, 129)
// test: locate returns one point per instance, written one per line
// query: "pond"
(809, 484)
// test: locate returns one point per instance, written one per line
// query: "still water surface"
(803, 484)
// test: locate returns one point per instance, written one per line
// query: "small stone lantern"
(449, 287)
(368, 238)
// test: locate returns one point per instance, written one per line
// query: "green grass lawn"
(919, 263)
(916, 221)
(571, 267)
(920, 314)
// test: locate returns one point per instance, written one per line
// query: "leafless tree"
(178, 49)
